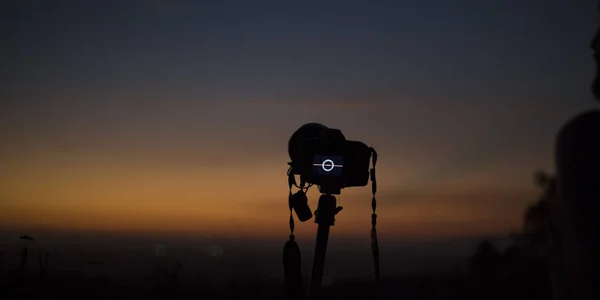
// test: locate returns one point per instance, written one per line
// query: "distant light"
(159, 250)
(216, 251)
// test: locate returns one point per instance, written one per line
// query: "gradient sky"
(174, 116)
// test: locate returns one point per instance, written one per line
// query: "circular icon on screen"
(327, 165)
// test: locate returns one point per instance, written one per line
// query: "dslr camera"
(322, 156)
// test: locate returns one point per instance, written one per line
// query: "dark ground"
(76, 286)
(135, 274)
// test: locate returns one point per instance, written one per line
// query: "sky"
(174, 116)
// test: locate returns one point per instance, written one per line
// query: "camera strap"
(374, 244)
(291, 253)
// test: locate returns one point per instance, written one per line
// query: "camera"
(322, 156)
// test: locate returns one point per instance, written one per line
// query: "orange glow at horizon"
(249, 199)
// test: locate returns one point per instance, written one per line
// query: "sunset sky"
(174, 116)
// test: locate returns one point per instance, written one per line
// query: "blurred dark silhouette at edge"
(575, 210)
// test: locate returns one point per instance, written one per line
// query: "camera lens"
(306, 132)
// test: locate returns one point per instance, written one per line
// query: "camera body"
(322, 156)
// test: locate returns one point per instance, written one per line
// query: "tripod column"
(325, 217)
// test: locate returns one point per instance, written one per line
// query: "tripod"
(325, 217)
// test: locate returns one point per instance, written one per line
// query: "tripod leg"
(325, 217)
(319, 261)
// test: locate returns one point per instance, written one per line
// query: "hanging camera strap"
(291, 251)
(374, 244)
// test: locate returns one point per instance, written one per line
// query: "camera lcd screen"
(328, 165)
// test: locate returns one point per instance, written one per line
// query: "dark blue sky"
(456, 95)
